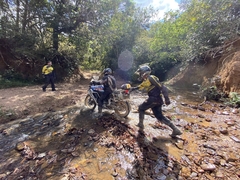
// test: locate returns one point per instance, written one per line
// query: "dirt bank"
(220, 67)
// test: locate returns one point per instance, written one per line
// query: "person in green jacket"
(49, 75)
(156, 91)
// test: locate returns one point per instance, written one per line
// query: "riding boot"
(99, 111)
(176, 131)
(140, 123)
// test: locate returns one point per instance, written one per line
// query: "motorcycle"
(118, 100)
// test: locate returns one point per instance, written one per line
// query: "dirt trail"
(16, 103)
(23, 101)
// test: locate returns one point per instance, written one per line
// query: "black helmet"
(143, 70)
(107, 71)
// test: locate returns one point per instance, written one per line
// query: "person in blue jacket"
(109, 83)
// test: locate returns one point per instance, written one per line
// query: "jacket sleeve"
(162, 88)
(43, 69)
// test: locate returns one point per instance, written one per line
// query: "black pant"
(156, 105)
(49, 80)
(104, 96)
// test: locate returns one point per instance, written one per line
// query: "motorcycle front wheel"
(89, 102)
(122, 108)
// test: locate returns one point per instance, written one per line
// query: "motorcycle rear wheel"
(89, 102)
(123, 108)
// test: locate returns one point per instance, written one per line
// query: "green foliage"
(188, 34)
(234, 99)
(12, 81)
(209, 24)
(212, 93)
(93, 57)
(93, 34)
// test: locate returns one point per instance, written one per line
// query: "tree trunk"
(55, 39)
(25, 16)
(17, 15)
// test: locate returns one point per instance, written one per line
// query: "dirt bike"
(118, 100)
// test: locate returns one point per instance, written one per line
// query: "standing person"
(155, 90)
(49, 75)
(109, 83)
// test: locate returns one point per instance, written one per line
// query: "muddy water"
(75, 144)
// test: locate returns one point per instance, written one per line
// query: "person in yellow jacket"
(49, 75)
(156, 91)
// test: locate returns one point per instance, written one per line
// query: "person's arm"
(43, 70)
(162, 88)
(134, 88)
(98, 82)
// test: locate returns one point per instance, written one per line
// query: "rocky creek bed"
(73, 144)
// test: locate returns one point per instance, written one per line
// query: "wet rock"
(197, 159)
(193, 175)
(41, 155)
(222, 162)
(171, 177)
(219, 174)
(216, 132)
(96, 137)
(64, 150)
(20, 146)
(208, 167)
(75, 154)
(230, 122)
(162, 176)
(185, 172)
(225, 113)
(231, 157)
(200, 170)
(209, 176)
(208, 120)
(235, 139)
(210, 151)
(91, 131)
(200, 115)
(209, 146)
(179, 144)
(235, 111)
(186, 160)
(194, 107)
(223, 130)
(183, 104)
(201, 108)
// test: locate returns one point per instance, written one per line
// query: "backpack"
(112, 82)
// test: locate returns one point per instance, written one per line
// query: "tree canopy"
(93, 33)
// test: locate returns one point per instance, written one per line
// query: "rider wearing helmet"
(155, 90)
(109, 83)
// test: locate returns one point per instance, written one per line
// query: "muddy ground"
(20, 102)
(49, 135)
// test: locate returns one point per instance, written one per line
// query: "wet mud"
(73, 143)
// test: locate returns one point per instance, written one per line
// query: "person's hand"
(95, 82)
